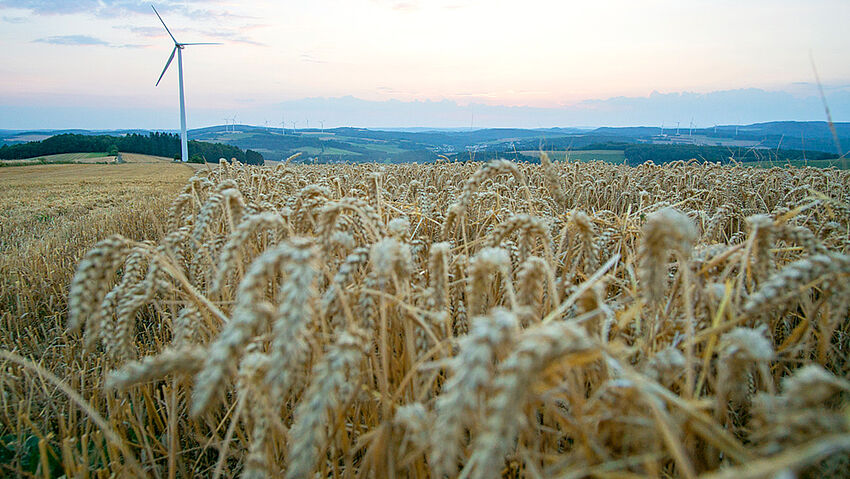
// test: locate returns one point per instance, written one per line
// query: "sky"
(436, 63)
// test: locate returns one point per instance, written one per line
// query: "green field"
(840, 163)
(311, 151)
(610, 156)
(383, 147)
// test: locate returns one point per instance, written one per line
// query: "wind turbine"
(178, 48)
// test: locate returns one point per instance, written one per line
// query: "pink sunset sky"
(93, 63)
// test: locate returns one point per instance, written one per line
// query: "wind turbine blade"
(167, 64)
(164, 25)
(202, 44)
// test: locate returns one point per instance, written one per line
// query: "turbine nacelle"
(177, 45)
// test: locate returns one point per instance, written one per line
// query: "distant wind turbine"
(178, 48)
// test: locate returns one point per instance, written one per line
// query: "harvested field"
(86, 158)
(140, 158)
(449, 320)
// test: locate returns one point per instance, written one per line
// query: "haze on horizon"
(441, 63)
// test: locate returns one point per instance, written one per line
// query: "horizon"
(413, 129)
(439, 64)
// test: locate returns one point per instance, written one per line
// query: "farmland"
(84, 158)
(777, 143)
(610, 156)
(50, 214)
(769, 143)
(478, 319)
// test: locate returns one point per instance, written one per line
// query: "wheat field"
(464, 320)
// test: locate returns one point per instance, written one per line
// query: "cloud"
(411, 6)
(209, 10)
(306, 57)
(406, 6)
(231, 34)
(147, 32)
(113, 8)
(51, 6)
(705, 109)
(74, 40)
(235, 36)
(84, 41)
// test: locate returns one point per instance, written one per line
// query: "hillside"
(774, 141)
(758, 143)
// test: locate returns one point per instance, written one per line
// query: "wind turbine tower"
(178, 48)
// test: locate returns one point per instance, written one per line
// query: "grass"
(565, 319)
(314, 151)
(383, 147)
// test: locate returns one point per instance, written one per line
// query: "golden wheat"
(460, 320)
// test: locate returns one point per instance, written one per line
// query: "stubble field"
(450, 320)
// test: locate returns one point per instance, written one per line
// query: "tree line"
(156, 144)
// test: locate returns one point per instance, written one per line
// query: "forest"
(157, 144)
